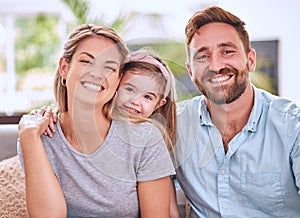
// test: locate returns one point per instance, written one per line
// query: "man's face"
(218, 64)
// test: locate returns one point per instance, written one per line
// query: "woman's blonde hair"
(70, 46)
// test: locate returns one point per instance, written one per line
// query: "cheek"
(195, 73)
(113, 82)
(121, 97)
(198, 69)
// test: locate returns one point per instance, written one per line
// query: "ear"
(63, 67)
(161, 103)
(188, 67)
(252, 60)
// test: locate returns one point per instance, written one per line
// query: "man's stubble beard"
(229, 93)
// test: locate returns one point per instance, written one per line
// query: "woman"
(79, 171)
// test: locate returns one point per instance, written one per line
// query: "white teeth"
(92, 86)
(219, 79)
(134, 111)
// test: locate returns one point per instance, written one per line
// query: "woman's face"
(92, 76)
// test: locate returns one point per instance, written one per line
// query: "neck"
(85, 128)
(231, 118)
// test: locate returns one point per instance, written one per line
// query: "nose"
(98, 71)
(215, 63)
(135, 100)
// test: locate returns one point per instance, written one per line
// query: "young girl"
(88, 168)
(146, 93)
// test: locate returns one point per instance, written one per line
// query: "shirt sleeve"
(155, 162)
(20, 154)
(296, 162)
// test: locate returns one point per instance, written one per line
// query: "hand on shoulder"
(34, 124)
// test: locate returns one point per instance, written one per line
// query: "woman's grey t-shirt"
(104, 184)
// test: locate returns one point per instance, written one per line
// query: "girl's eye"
(129, 89)
(148, 97)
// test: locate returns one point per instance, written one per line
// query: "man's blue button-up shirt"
(259, 176)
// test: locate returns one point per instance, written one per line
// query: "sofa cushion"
(8, 140)
(12, 186)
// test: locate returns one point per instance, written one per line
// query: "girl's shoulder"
(145, 132)
(143, 127)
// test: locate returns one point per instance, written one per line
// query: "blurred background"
(32, 33)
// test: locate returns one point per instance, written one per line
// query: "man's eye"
(228, 51)
(201, 57)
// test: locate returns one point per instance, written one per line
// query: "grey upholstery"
(8, 140)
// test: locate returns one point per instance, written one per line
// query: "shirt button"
(222, 172)
(215, 135)
(224, 207)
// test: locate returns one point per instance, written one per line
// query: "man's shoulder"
(280, 104)
(188, 105)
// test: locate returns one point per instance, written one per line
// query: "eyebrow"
(227, 44)
(221, 45)
(88, 54)
(112, 62)
(199, 51)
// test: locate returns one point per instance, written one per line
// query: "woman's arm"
(154, 198)
(44, 196)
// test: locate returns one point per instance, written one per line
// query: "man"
(238, 147)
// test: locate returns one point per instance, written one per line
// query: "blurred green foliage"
(37, 43)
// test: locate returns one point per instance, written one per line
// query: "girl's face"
(92, 77)
(139, 94)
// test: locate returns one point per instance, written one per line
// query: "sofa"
(12, 180)
(8, 140)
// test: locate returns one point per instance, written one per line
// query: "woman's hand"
(53, 118)
(44, 196)
(35, 123)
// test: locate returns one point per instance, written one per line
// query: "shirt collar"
(256, 111)
(203, 112)
(254, 115)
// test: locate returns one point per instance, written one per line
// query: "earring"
(63, 82)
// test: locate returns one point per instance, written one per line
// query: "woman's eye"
(85, 61)
(111, 69)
